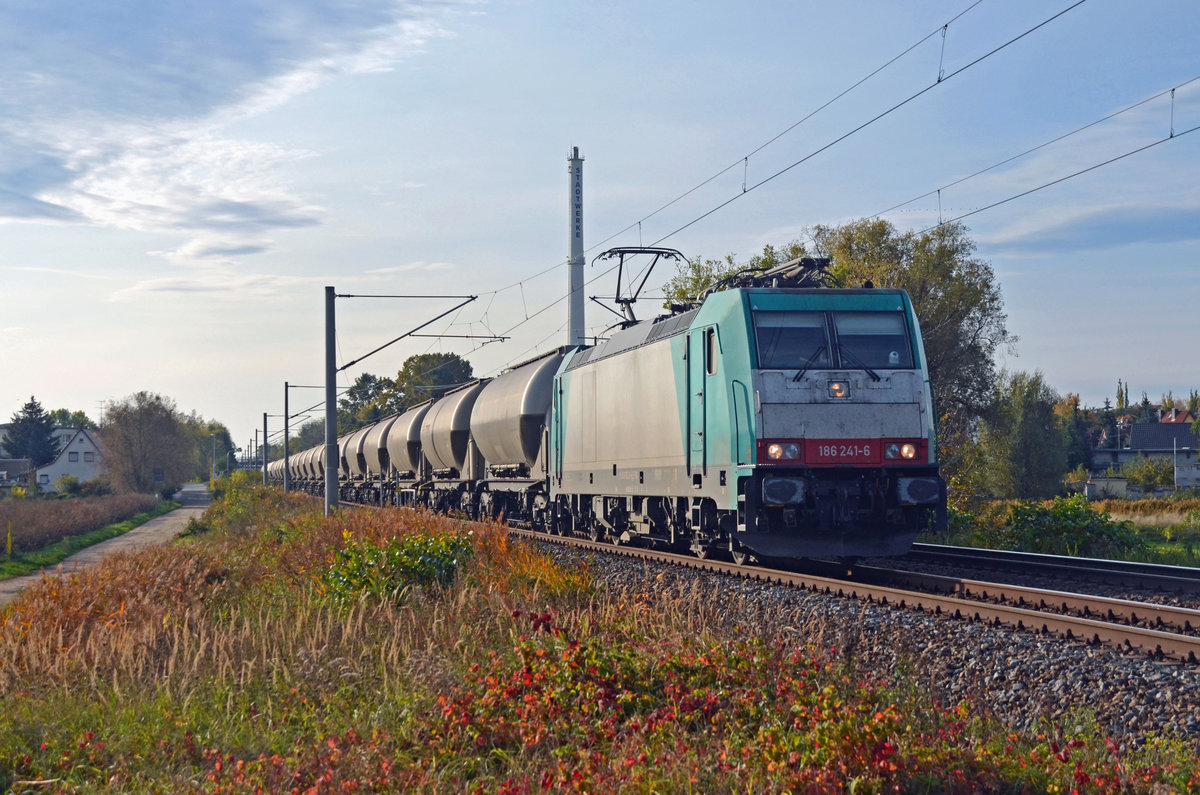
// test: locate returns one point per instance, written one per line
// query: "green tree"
(695, 276)
(1193, 404)
(955, 295)
(424, 376)
(1144, 411)
(1023, 439)
(1122, 396)
(361, 402)
(212, 441)
(31, 435)
(1149, 472)
(1076, 429)
(65, 418)
(310, 434)
(147, 445)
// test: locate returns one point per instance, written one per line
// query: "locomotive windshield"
(806, 340)
(789, 340)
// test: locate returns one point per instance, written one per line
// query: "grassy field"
(52, 546)
(273, 650)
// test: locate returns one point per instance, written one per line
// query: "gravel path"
(1020, 677)
(160, 530)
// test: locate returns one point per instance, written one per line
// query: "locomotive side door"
(701, 363)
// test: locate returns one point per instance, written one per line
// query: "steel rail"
(1183, 619)
(1153, 643)
(1178, 579)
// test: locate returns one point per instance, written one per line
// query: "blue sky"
(180, 179)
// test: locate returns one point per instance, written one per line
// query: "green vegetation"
(1152, 531)
(390, 570)
(257, 656)
(17, 563)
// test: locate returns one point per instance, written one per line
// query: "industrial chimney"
(575, 325)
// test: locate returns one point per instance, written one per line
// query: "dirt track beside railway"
(160, 530)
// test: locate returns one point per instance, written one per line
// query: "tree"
(147, 446)
(212, 441)
(1122, 396)
(695, 276)
(65, 418)
(955, 294)
(1024, 441)
(1080, 429)
(424, 376)
(1193, 404)
(361, 402)
(31, 435)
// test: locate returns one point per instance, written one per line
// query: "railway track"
(1125, 574)
(1156, 631)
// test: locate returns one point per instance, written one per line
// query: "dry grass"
(219, 665)
(39, 523)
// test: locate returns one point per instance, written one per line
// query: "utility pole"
(287, 477)
(265, 446)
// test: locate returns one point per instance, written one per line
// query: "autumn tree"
(31, 435)
(147, 446)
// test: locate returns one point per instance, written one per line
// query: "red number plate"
(841, 451)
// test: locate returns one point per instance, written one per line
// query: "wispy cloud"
(222, 280)
(117, 115)
(413, 266)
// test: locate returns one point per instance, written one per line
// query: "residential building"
(79, 456)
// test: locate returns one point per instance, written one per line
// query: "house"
(1182, 416)
(79, 456)
(13, 472)
(1171, 440)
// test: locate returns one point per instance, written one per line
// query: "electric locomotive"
(772, 422)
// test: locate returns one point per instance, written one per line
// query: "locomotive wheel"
(595, 531)
(739, 554)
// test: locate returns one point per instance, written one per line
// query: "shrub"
(1149, 472)
(386, 570)
(69, 486)
(1068, 526)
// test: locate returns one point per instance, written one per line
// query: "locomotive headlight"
(778, 452)
(839, 389)
(893, 450)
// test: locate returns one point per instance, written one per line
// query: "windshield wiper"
(849, 355)
(809, 362)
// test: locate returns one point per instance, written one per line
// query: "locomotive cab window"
(876, 339)
(791, 340)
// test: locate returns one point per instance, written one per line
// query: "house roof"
(1162, 436)
(64, 449)
(1178, 415)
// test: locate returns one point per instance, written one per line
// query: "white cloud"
(185, 175)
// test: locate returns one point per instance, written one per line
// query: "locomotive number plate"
(837, 451)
